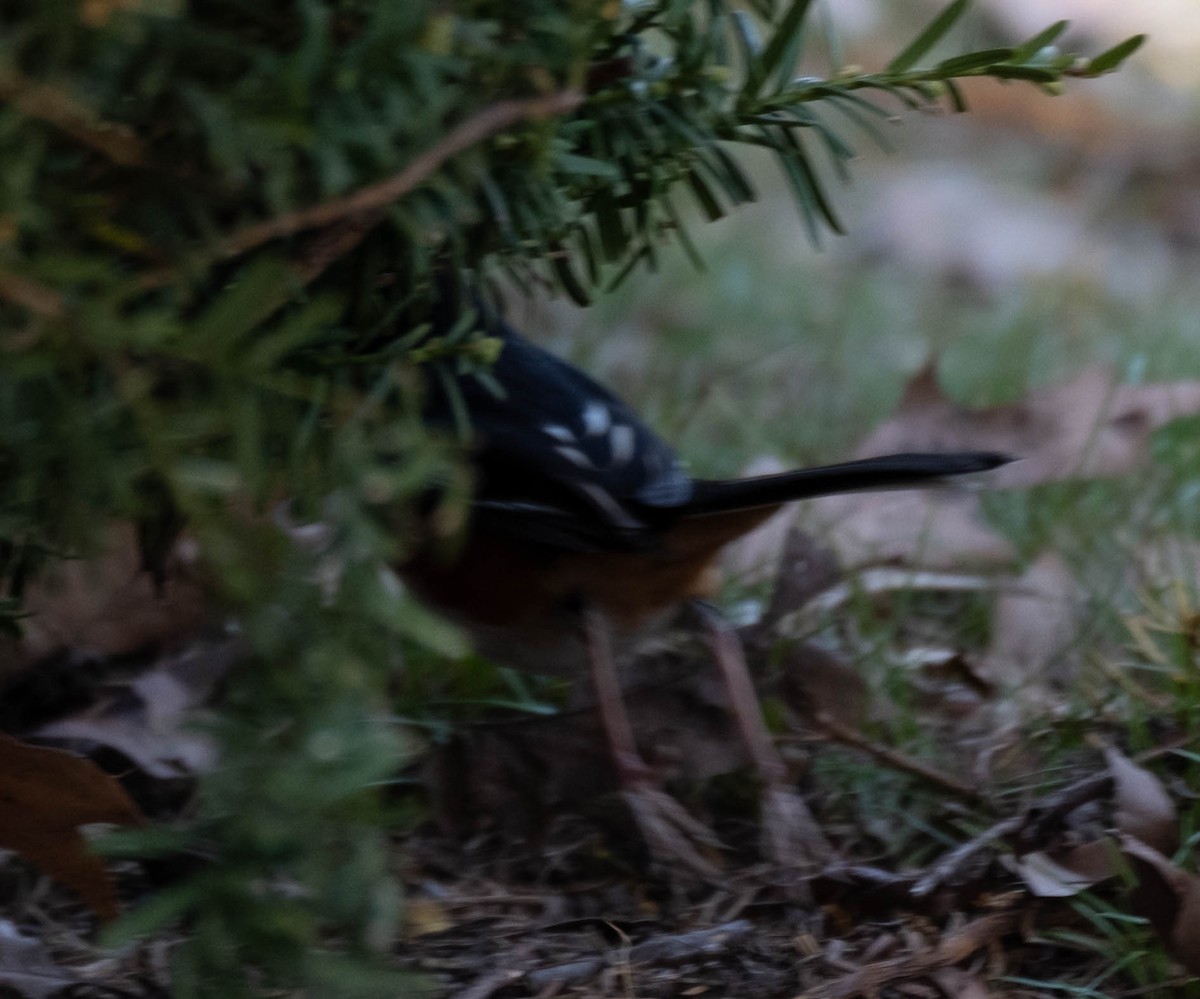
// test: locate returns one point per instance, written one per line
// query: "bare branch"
(38, 298)
(374, 197)
(118, 143)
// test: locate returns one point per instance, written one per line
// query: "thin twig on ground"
(954, 861)
(835, 730)
(487, 985)
(668, 949)
(950, 950)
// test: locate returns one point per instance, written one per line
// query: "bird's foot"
(673, 836)
(791, 836)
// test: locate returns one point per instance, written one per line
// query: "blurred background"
(1013, 245)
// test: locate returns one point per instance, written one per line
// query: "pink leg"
(670, 832)
(791, 835)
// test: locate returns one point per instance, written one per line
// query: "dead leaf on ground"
(108, 604)
(880, 583)
(1034, 624)
(27, 967)
(813, 681)
(515, 777)
(1142, 811)
(1169, 897)
(1080, 868)
(1085, 121)
(940, 529)
(806, 568)
(1090, 427)
(958, 984)
(45, 796)
(147, 721)
(1086, 428)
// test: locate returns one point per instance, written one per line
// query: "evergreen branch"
(38, 298)
(1109, 60)
(375, 197)
(117, 143)
(257, 374)
(333, 244)
(721, 79)
(929, 37)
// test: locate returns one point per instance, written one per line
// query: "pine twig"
(835, 730)
(40, 299)
(118, 143)
(375, 197)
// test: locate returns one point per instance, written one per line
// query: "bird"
(586, 534)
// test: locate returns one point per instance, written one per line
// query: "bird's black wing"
(562, 460)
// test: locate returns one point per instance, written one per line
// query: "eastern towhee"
(586, 532)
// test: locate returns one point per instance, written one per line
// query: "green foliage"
(221, 230)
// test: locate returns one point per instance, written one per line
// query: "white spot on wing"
(558, 432)
(610, 507)
(596, 418)
(517, 506)
(575, 456)
(621, 442)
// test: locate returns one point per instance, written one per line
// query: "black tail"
(893, 471)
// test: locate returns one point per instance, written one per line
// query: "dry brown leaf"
(959, 984)
(1170, 898)
(1066, 872)
(814, 681)
(936, 530)
(1090, 427)
(109, 604)
(510, 777)
(148, 722)
(1143, 810)
(1033, 628)
(423, 916)
(1087, 428)
(883, 583)
(45, 796)
(27, 967)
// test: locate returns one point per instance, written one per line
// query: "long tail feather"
(893, 471)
